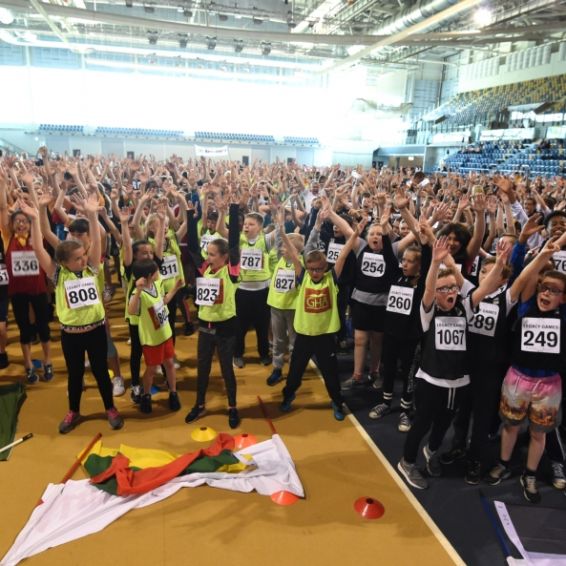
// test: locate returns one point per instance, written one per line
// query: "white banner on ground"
(202, 151)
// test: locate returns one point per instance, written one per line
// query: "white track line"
(445, 543)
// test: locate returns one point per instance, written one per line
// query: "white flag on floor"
(78, 508)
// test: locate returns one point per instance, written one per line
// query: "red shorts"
(156, 355)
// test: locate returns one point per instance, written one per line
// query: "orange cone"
(244, 440)
(284, 498)
(369, 508)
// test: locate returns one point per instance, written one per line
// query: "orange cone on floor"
(284, 498)
(369, 508)
(203, 434)
(244, 440)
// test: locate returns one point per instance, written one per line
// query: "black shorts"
(368, 317)
(3, 307)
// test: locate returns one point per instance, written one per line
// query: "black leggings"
(135, 353)
(223, 343)
(252, 310)
(324, 348)
(435, 407)
(20, 305)
(74, 347)
(394, 351)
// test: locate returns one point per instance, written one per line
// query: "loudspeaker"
(245, 160)
(76, 152)
(290, 160)
(130, 155)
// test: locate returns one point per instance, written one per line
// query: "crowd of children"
(454, 285)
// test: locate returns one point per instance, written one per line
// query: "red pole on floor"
(265, 416)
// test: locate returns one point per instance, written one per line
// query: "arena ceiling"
(280, 36)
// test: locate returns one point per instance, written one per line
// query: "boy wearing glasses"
(532, 388)
(443, 370)
(317, 321)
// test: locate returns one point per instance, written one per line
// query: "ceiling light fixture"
(210, 42)
(265, 48)
(6, 16)
(483, 17)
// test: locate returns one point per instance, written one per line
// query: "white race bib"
(333, 252)
(252, 259)
(169, 267)
(24, 263)
(81, 292)
(284, 280)
(373, 265)
(475, 266)
(483, 322)
(161, 313)
(400, 299)
(540, 335)
(208, 290)
(450, 333)
(205, 240)
(4, 278)
(559, 260)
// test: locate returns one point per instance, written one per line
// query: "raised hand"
(441, 250)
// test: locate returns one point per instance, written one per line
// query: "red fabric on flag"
(133, 482)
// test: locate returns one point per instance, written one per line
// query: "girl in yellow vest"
(80, 312)
(316, 323)
(216, 299)
(149, 304)
(282, 299)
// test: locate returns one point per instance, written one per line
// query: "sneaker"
(351, 383)
(558, 477)
(238, 363)
(379, 411)
(275, 377)
(338, 411)
(47, 372)
(176, 364)
(530, 490)
(412, 474)
(432, 462)
(118, 388)
(31, 376)
(233, 418)
(174, 403)
(454, 455)
(404, 423)
(159, 371)
(145, 403)
(70, 421)
(114, 419)
(265, 361)
(376, 380)
(497, 474)
(473, 472)
(285, 406)
(136, 392)
(4, 363)
(195, 413)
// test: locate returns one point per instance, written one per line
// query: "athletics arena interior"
(275, 104)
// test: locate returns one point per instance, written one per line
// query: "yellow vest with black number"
(280, 295)
(80, 303)
(317, 309)
(153, 321)
(224, 308)
(133, 319)
(262, 274)
(172, 250)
